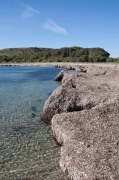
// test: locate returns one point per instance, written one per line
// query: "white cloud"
(29, 12)
(52, 26)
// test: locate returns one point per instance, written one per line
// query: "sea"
(27, 148)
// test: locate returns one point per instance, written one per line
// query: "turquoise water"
(27, 148)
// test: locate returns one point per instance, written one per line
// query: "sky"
(60, 23)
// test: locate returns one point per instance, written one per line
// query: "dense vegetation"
(72, 54)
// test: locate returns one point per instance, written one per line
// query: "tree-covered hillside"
(66, 54)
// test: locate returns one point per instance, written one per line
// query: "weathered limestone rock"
(85, 121)
(68, 66)
(81, 91)
(90, 142)
(60, 76)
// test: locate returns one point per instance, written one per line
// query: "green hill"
(65, 54)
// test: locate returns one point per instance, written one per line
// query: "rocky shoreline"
(66, 65)
(84, 114)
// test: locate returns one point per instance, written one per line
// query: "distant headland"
(65, 54)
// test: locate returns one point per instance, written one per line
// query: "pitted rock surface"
(84, 113)
(82, 90)
(60, 76)
(90, 142)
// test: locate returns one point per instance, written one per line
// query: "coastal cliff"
(84, 113)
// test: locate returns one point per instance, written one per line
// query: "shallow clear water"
(27, 148)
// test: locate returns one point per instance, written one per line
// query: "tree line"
(65, 54)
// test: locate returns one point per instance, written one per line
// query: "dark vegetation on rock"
(66, 54)
(84, 113)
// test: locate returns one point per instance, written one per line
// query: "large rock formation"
(90, 142)
(85, 121)
(82, 90)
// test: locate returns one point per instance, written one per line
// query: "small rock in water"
(33, 108)
(33, 115)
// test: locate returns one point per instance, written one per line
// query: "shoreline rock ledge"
(84, 113)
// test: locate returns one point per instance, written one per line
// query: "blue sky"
(60, 23)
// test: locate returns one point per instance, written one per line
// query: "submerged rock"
(85, 120)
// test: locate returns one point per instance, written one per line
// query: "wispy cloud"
(28, 11)
(52, 26)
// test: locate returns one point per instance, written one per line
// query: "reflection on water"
(27, 148)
